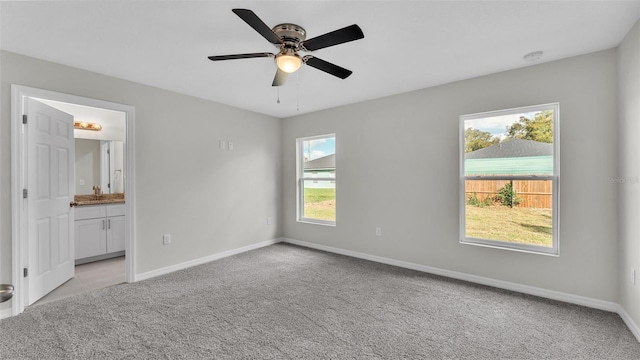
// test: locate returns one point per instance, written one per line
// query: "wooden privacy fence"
(532, 193)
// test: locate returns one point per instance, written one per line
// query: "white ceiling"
(408, 45)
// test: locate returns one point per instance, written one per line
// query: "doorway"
(88, 277)
(20, 96)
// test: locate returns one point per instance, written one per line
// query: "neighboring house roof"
(325, 162)
(524, 165)
(512, 148)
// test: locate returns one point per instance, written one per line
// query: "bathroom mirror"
(99, 162)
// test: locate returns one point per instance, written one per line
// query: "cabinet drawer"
(115, 210)
(90, 212)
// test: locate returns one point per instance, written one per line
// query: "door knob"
(6, 292)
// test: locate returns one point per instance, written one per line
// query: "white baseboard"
(6, 313)
(200, 261)
(531, 290)
(635, 329)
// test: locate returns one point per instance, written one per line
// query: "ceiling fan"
(290, 39)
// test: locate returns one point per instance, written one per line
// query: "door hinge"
(25, 272)
(24, 118)
(25, 193)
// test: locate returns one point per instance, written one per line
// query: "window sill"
(317, 222)
(530, 249)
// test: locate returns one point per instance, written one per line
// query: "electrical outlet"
(166, 239)
(269, 220)
(230, 145)
(82, 182)
(223, 145)
(378, 231)
(633, 276)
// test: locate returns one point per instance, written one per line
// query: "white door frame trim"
(18, 181)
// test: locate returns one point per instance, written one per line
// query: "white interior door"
(50, 159)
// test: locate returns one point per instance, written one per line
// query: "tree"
(507, 195)
(475, 139)
(540, 128)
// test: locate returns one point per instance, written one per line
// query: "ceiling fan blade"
(258, 25)
(280, 78)
(327, 67)
(239, 56)
(340, 36)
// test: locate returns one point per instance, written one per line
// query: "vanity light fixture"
(85, 125)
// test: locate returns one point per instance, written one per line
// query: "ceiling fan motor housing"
(291, 34)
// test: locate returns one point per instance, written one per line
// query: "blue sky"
(320, 147)
(496, 125)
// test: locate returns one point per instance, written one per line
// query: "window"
(317, 179)
(509, 168)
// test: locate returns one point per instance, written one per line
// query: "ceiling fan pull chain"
(278, 87)
(298, 89)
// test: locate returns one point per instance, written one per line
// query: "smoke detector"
(533, 56)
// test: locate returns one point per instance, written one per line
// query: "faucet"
(96, 190)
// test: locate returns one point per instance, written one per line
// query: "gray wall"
(629, 186)
(210, 203)
(208, 199)
(414, 138)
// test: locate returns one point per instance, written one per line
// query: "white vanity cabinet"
(115, 233)
(99, 232)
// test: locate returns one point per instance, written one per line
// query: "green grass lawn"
(519, 225)
(320, 204)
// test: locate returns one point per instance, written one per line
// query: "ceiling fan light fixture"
(288, 62)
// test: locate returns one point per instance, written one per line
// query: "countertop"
(84, 200)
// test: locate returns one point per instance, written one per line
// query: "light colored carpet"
(287, 302)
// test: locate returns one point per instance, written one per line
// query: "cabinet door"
(91, 237)
(115, 234)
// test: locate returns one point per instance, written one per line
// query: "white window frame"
(554, 250)
(301, 178)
